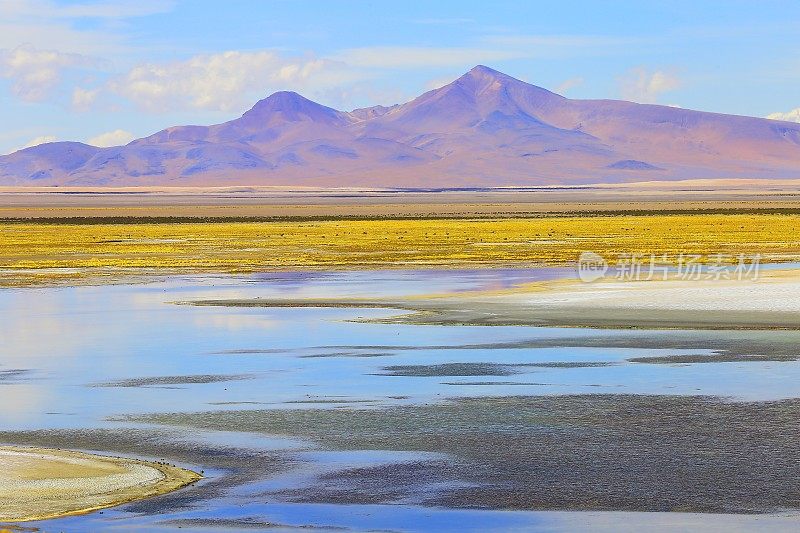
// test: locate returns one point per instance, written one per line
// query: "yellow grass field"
(32, 253)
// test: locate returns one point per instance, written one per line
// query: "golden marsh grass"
(47, 252)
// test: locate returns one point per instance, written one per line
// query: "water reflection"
(68, 339)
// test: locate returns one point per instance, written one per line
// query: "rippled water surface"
(83, 358)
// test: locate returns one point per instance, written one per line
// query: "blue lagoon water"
(62, 348)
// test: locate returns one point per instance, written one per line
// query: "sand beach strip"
(37, 484)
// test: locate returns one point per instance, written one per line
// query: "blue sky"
(107, 71)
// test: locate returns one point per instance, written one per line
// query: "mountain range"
(483, 129)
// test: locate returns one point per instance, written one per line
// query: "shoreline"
(769, 303)
(44, 483)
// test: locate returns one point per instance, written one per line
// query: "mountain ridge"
(483, 129)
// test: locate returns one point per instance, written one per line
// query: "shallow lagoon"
(85, 357)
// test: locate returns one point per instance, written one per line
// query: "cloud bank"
(111, 138)
(34, 73)
(643, 86)
(36, 141)
(789, 116)
(224, 81)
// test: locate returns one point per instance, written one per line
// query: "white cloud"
(225, 81)
(414, 57)
(566, 85)
(789, 116)
(34, 72)
(362, 94)
(444, 21)
(552, 43)
(439, 82)
(111, 138)
(83, 99)
(57, 35)
(76, 27)
(108, 9)
(36, 141)
(489, 48)
(641, 85)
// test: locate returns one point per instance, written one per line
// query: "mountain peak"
(481, 98)
(485, 90)
(484, 71)
(286, 101)
(486, 75)
(482, 80)
(290, 107)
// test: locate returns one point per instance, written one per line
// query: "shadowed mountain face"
(484, 129)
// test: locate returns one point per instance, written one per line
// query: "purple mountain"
(484, 129)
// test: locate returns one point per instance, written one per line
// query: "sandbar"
(767, 303)
(39, 483)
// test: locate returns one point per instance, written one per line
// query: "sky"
(105, 72)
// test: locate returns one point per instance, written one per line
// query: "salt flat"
(773, 292)
(768, 301)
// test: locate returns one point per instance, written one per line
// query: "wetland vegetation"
(53, 251)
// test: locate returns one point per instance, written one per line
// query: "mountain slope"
(483, 129)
